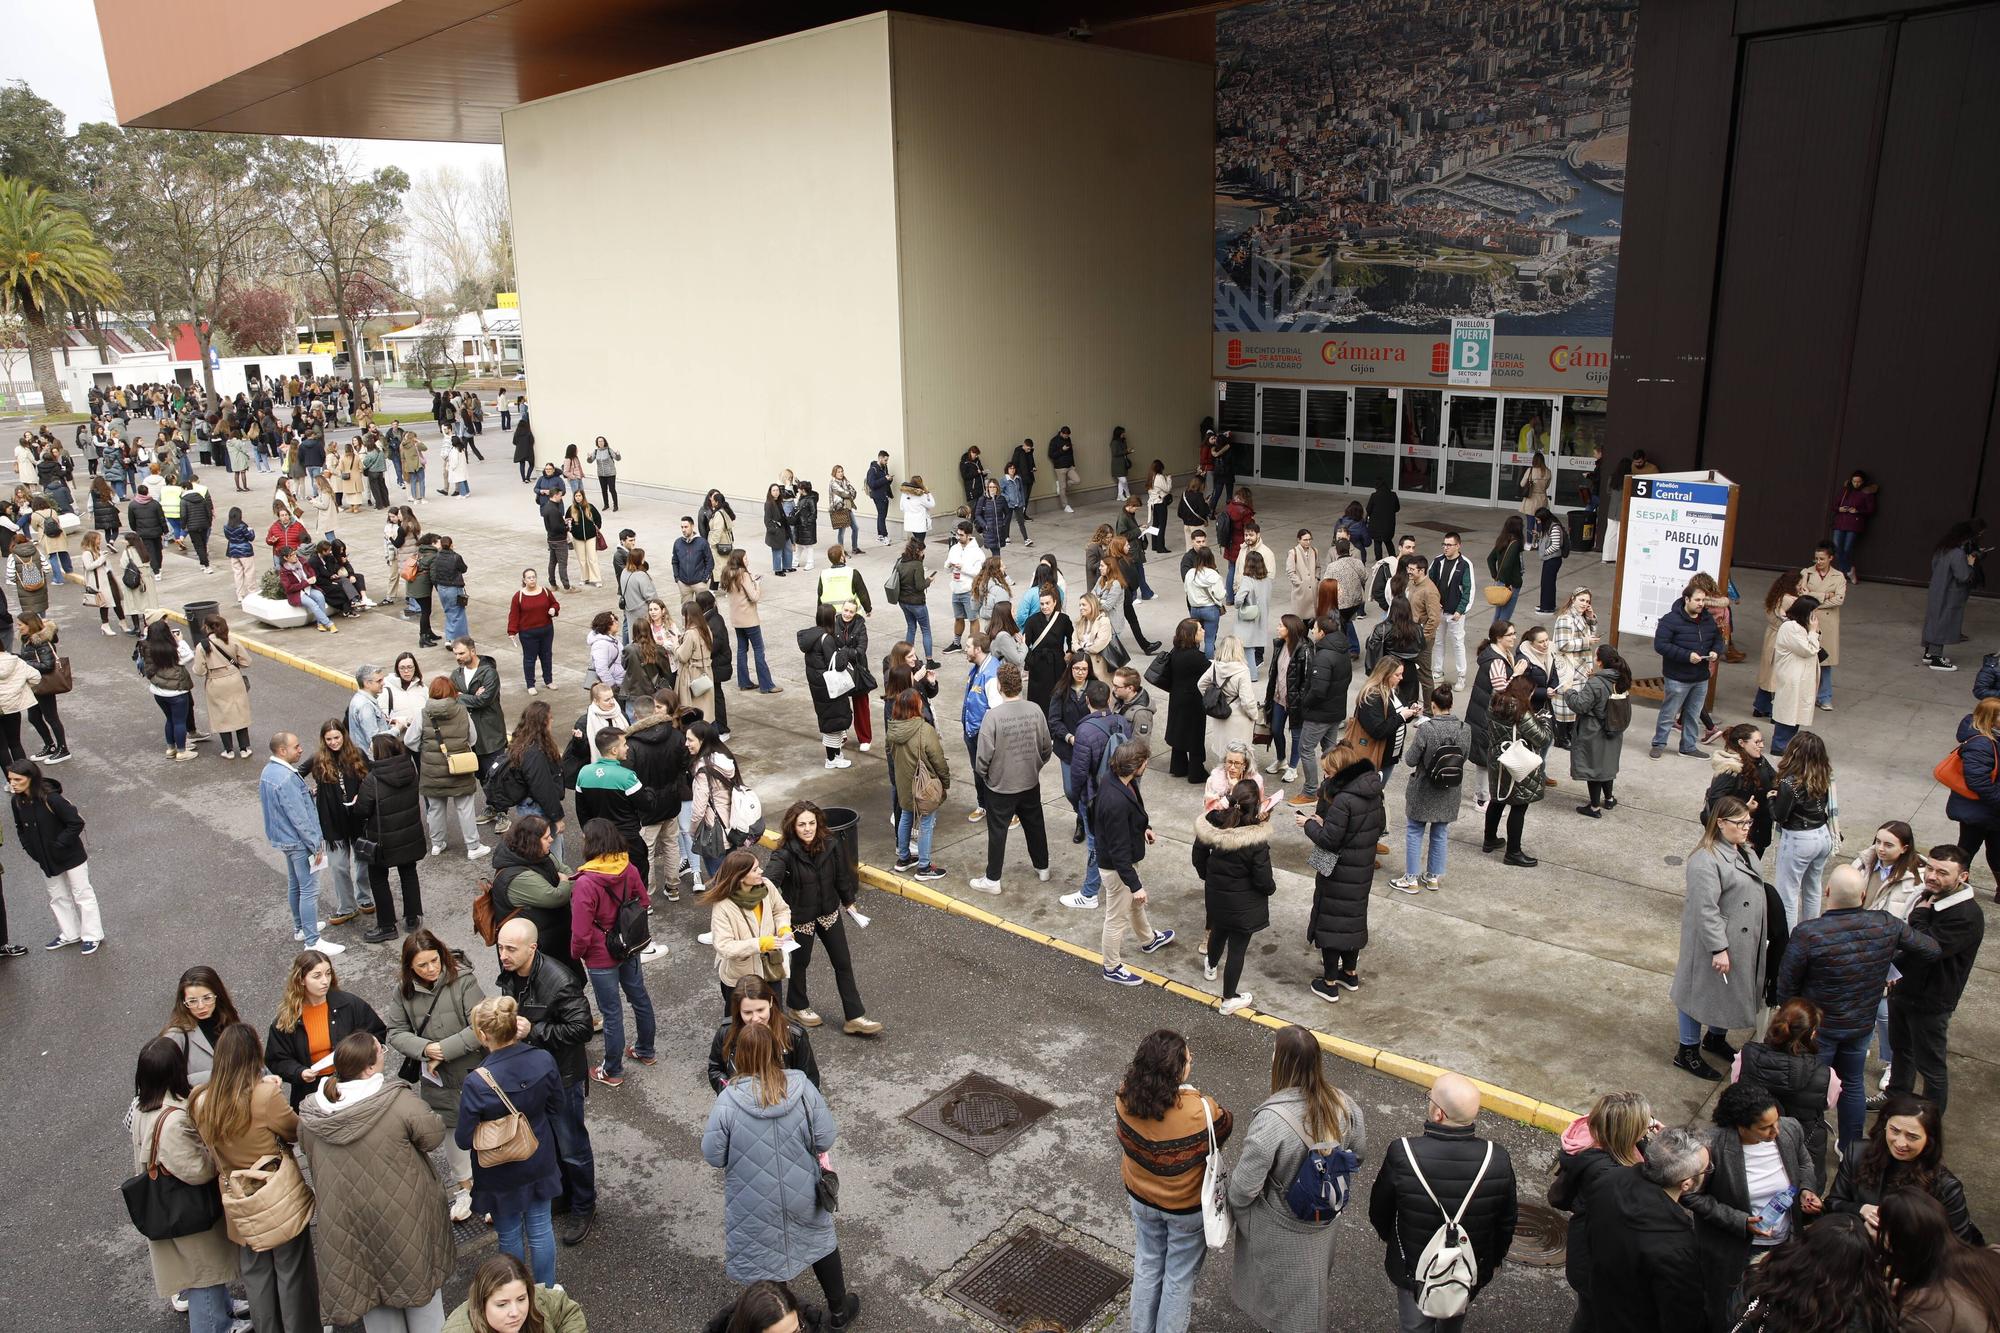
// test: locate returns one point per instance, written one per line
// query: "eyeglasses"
(1744, 822)
(198, 1001)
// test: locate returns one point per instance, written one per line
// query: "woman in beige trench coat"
(1821, 580)
(1794, 671)
(220, 663)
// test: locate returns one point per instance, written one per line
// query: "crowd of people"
(1265, 682)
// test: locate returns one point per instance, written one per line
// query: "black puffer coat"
(1799, 1082)
(656, 750)
(1349, 823)
(389, 813)
(1235, 869)
(51, 830)
(336, 802)
(815, 884)
(1479, 707)
(834, 714)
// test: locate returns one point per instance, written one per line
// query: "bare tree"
(342, 227)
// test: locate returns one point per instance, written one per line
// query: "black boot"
(1078, 835)
(1689, 1058)
(846, 1316)
(1718, 1045)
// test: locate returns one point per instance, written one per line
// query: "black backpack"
(1447, 765)
(631, 929)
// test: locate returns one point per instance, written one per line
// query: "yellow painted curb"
(1187, 992)
(1025, 932)
(1351, 1051)
(1415, 1071)
(1552, 1118)
(292, 660)
(1507, 1102)
(971, 913)
(1076, 951)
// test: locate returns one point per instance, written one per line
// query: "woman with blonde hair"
(1282, 1277)
(1576, 639)
(1228, 676)
(314, 1015)
(1806, 810)
(769, 1132)
(990, 587)
(514, 1079)
(1719, 979)
(101, 579)
(1608, 1138)
(1094, 633)
(379, 1225)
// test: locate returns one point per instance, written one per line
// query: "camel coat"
(221, 670)
(1302, 569)
(1831, 589)
(736, 933)
(1794, 674)
(380, 1231)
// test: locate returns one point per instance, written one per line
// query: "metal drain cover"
(1033, 1280)
(1541, 1236)
(979, 1113)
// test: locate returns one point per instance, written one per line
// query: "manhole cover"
(1033, 1280)
(978, 1113)
(1541, 1236)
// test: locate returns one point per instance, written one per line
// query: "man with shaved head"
(1445, 1172)
(1840, 961)
(554, 1016)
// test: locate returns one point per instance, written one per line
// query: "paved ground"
(1551, 981)
(185, 877)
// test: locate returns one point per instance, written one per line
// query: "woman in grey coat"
(1754, 1152)
(1954, 566)
(1282, 1276)
(1602, 707)
(430, 1026)
(770, 1131)
(1430, 807)
(1719, 981)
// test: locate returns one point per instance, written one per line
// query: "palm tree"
(47, 257)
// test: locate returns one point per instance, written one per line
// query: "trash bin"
(196, 613)
(1582, 530)
(844, 827)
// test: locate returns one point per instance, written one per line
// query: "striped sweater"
(1164, 1158)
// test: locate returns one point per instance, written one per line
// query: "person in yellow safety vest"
(837, 583)
(170, 505)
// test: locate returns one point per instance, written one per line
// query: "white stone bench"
(275, 612)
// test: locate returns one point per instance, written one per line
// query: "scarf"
(748, 896)
(611, 865)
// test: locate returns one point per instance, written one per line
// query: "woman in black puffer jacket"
(1232, 854)
(388, 813)
(1344, 831)
(1493, 670)
(834, 714)
(1787, 1062)
(811, 869)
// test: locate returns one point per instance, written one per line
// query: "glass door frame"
(1407, 447)
(1293, 442)
(1488, 457)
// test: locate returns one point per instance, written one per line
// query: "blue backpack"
(1318, 1192)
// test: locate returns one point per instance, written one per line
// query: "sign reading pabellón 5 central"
(1675, 526)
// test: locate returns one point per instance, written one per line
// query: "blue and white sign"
(1471, 353)
(1673, 529)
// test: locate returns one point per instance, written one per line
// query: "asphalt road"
(184, 877)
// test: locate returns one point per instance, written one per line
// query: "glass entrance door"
(1525, 425)
(1420, 458)
(1580, 425)
(1471, 421)
(1372, 453)
(1279, 419)
(1326, 437)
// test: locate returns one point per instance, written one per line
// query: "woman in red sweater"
(531, 623)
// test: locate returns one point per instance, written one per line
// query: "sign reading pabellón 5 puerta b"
(1676, 525)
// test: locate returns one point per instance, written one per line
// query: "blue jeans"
(1843, 550)
(302, 892)
(1209, 617)
(1505, 611)
(573, 1152)
(1847, 1052)
(1802, 861)
(1691, 1031)
(1229, 581)
(1781, 736)
(1419, 859)
(746, 640)
(781, 559)
(538, 1231)
(179, 711)
(456, 625)
(605, 984)
(1285, 727)
(1093, 877)
(208, 1309)
(1760, 703)
(917, 618)
(1825, 696)
(925, 826)
(1684, 698)
(686, 821)
(849, 536)
(1165, 1263)
(313, 603)
(538, 645)
(1883, 1051)
(416, 483)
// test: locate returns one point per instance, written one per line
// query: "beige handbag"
(458, 763)
(508, 1139)
(268, 1203)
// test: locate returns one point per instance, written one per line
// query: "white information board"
(1675, 525)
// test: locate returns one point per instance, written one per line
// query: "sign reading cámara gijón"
(1471, 353)
(1674, 529)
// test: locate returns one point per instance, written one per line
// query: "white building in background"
(127, 342)
(480, 340)
(233, 374)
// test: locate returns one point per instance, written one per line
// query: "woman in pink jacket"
(605, 882)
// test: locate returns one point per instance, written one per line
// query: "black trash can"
(1582, 530)
(844, 827)
(196, 613)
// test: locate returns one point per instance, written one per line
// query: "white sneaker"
(985, 885)
(1275, 766)
(842, 762)
(653, 950)
(461, 1208)
(1405, 884)
(1043, 874)
(299, 936)
(1078, 900)
(1241, 1001)
(475, 853)
(1291, 773)
(1207, 969)
(705, 937)
(180, 1303)
(329, 948)
(1883, 1086)
(864, 747)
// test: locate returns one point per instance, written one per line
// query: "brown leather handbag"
(508, 1139)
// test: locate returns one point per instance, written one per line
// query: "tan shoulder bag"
(508, 1139)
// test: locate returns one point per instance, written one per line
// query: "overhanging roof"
(446, 69)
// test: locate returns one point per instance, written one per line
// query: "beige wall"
(720, 237)
(1055, 224)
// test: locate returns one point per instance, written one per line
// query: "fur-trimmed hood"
(1230, 839)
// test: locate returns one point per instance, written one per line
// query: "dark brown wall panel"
(1802, 178)
(1679, 153)
(1920, 390)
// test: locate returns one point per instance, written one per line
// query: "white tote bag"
(1214, 1186)
(1520, 760)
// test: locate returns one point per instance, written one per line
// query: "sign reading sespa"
(1673, 530)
